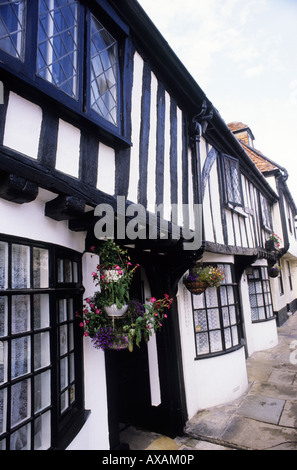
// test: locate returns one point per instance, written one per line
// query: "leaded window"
(12, 23)
(216, 317)
(265, 213)
(104, 70)
(260, 294)
(57, 54)
(233, 187)
(39, 382)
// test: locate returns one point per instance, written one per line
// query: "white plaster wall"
(94, 434)
(136, 121)
(68, 149)
(106, 169)
(22, 126)
(208, 382)
(167, 179)
(28, 221)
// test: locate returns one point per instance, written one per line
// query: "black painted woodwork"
(17, 189)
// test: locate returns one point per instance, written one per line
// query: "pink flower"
(92, 248)
(129, 264)
(165, 315)
(86, 333)
(94, 274)
(153, 299)
(81, 324)
(92, 305)
(97, 311)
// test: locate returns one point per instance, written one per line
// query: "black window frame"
(228, 187)
(263, 281)
(265, 213)
(26, 70)
(63, 425)
(222, 327)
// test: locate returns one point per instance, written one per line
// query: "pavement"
(264, 418)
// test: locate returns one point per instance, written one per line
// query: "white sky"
(243, 54)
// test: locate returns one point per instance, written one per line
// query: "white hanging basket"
(114, 312)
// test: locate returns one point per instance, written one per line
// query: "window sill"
(220, 353)
(47, 97)
(70, 431)
(237, 209)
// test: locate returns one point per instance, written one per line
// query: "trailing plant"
(138, 324)
(275, 238)
(114, 274)
(213, 276)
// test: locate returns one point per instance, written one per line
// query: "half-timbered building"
(99, 112)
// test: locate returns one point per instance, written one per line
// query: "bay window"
(217, 322)
(40, 355)
(260, 294)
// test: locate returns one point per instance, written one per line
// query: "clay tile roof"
(236, 126)
(260, 161)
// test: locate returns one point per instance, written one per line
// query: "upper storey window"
(233, 181)
(12, 27)
(69, 52)
(57, 51)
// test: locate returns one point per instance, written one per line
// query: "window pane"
(20, 313)
(228, 342)
(57, 53)
(215, 341)
(63, 373)
(3, 316)
(41, 350)
(21, 439)
(42, 391)
(202, 343)
(63, 339)
(213, 319)
(20, 356)
(20, 401)
(3, 410)
(104, 58)
(20, 267)
(211, 297)
(200, 321)
(42, 432)
(41, 311)
(3, 265)
(3, 361)
(40, 268)
(12, 27)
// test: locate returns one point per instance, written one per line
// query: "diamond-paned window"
(57, 53)
(12, 18)
(104, 83)
(233, 181)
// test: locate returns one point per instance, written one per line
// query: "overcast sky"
(243, 54)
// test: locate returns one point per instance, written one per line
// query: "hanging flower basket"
(196, 287)
(273, 271)
(201, 277)
(273, 243)
(114, 312)
(109, 317)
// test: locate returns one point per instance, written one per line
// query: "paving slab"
(275, 390)
(289, 415)
(283, 377)
(261, 408)
(247, 433)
